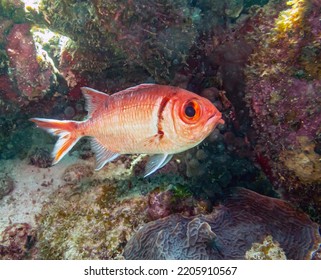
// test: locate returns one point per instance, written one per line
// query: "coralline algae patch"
(33, 79)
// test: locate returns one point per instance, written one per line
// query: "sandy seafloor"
(33, 185)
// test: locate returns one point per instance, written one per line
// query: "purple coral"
(228, 232)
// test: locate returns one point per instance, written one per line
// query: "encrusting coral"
(228, 232)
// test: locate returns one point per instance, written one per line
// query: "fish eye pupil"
(190, 111)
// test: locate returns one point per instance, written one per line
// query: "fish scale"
(124, 127)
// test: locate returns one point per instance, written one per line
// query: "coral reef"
(89, 222)
(267, 250)
(282, 92)
(17, 242)
(119, 31)
(228, 232)
(105, 35)
(6, 186)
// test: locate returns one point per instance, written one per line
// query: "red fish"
(145, 119)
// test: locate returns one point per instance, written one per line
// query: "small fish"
(146, 119)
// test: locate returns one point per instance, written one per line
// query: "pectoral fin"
(156, 162)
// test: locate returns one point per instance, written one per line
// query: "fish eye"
(191, 112)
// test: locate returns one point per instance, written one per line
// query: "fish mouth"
(216, 118)
(211, 116)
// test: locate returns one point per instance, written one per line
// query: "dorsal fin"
(95, 100)
(137, 89)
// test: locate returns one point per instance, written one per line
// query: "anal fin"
(156, 162)
(103, 155)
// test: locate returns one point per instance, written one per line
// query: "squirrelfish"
(146, 119)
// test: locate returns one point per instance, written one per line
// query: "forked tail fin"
(67, 132)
